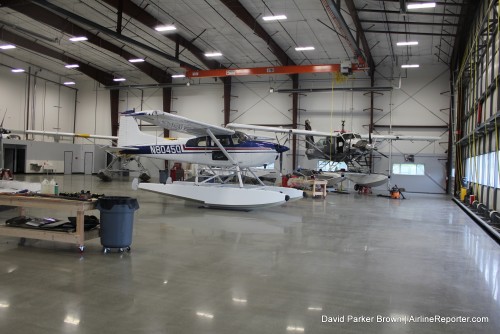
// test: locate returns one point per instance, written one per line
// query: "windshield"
(239, 137)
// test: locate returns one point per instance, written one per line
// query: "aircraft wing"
(281, 130)
(117, 149)
(178, 123)
(70, 134)
(396, 137)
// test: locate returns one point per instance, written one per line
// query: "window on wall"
(408, 169)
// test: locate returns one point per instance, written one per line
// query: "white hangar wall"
(421, 100)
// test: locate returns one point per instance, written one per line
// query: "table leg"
(80, 231)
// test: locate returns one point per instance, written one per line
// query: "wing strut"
(219, 145)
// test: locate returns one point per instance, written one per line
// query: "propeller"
(2, 130)
(280, 149)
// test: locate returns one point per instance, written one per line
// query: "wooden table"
(318, 188)
(78, 237)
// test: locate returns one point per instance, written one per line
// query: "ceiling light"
(165, 28)
(119, 79)
(7, 46)
(69, 83)
(304, 48)
(178, 75)
(410, 66)
(78, 39)
(274, 17)
(406, 43)
(421, 5)
(17, 70)
(72, 66)
(213, 54)
(136, 60)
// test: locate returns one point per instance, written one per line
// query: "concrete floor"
(278, 270)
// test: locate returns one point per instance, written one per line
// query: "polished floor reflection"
(311, 266)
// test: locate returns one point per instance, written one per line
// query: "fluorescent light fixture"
(7, 46)
(410, 66)
(69, 83)
(178, 75)
(421, 5)
(407, 43)
(119, 79)
(78, 39)
(136, 60)
(274, 17)
(213, 54)
(165, 28)
(72, 66)
(304, 48)
(4, 304)
(17, 70)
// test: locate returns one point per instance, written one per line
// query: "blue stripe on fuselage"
(245, 147)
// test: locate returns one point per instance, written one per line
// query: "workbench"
(54, 203)
(318, 188)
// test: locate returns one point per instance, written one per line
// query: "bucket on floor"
(117, 220)
(463, 193)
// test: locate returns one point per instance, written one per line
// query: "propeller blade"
(3, 119)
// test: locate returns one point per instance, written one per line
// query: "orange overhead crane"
(345, 68)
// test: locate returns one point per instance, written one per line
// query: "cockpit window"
(239, 137)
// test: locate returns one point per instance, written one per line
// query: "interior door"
(68, 162)
(88, 163)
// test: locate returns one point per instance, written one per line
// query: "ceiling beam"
(271, 70)
(438, 3)
(68, 14)
(409, 33)
(395, 12)
(139, 14)
(244, 15)
(359, 31)
(98, 75)
(333, 12)
(59, 23)
(411, 23)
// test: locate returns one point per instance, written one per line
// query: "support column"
(167, 103)
(370, 128)
(295, 112)
(227, 99)
(114, 95)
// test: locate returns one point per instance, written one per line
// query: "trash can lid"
(107, 202)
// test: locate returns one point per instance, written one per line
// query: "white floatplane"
(340, 146)
(213, 146)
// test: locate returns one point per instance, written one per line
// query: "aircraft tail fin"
(130, 134)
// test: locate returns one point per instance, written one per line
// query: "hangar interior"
(74, 66)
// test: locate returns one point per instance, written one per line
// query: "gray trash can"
(117, 221)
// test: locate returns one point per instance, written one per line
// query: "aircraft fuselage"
(202, 150)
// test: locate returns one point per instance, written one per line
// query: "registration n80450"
(165, 149)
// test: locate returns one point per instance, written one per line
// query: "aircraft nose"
(280, 148)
